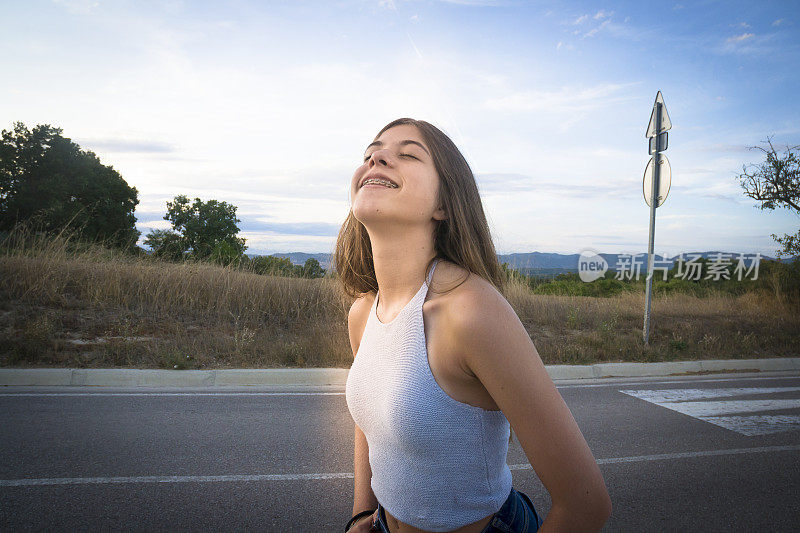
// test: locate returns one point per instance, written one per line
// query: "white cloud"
(720, 147)
(740, 38)
(78, 7)
(593, 31)
(778, 22)
(564, 99)
(486, 3)
(765, 45)
(276, 123)
(513, 184)
(153, 224)
(112, 145)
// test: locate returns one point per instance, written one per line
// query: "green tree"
(48, 180)
(776, 183)
(227, 253)
(269, 265)
(207, 230)
(166, 243)
(312, 269)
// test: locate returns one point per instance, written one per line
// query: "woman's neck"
(400, 267)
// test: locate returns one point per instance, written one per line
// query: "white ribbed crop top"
(437, 463)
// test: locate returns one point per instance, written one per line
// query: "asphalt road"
(705, 453)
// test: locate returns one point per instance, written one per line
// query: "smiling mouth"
(379, 182)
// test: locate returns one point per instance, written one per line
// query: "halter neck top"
(437, 463)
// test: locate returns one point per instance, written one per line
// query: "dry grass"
(576, 329)
(77, 306)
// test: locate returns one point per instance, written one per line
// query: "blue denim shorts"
(517, 515)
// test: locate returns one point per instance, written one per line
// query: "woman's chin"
(377, 218)
(371, 208)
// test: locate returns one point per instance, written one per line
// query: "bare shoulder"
(466, 309)
(361, 305)
(476, 320)
(357, 319)
(473, 299)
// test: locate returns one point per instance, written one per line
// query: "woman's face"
(401, 155)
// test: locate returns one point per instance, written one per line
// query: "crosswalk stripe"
(349, 475)
(729, 414)
(679, 395)
(756, 424)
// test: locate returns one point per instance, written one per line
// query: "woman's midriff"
(396, 526)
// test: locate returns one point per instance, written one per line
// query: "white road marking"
(169, 479)
(681, 455)
(666, 380)
(172, 394)
(707, 409)
(680, 395)
(689, 402)
(349, 475)
(757, 424)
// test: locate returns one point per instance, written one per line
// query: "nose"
(379, 157)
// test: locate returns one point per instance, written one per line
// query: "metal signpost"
(656, 182)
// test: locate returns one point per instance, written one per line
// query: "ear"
(439, 214)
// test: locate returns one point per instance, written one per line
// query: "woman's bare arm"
(363, 497)
(499, 352)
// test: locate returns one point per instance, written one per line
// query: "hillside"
(64, 305)
(535, 263)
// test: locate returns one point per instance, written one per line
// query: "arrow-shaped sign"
(666, 123)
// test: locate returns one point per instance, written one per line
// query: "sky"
(270, 106)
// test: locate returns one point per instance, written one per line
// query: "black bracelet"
(356, 517)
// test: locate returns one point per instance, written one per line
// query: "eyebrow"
(401, 143)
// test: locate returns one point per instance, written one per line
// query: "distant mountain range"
(539, 263)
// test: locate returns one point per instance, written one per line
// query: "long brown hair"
(462, 238)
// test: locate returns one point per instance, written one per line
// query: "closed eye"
(407, 155)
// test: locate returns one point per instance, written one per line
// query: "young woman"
(439, 377)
